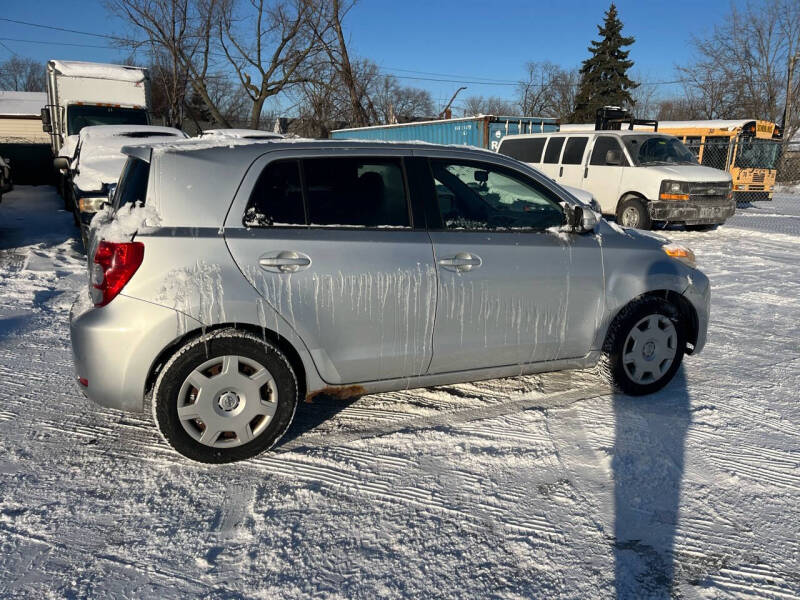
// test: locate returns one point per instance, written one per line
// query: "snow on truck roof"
(91, 70)
(20, 104)
(726, 124)
(252, 134)
(94, 132)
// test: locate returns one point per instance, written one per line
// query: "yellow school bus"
(748, 149)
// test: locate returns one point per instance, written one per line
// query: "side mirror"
(581, 219)
(47, 126)
(589, 220)
(613, 158)
(61, 162)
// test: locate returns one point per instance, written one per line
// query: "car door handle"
(560, 171)
(285, 261)
(463, 261)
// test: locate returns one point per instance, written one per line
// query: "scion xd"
(238, 279)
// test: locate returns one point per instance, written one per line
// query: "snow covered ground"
(546, 486)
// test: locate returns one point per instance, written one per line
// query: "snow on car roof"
(241, 133)
(22, 103)
(72, 68)
(100, 131)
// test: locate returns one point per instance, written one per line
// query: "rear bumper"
(692, 212)
(115, 346)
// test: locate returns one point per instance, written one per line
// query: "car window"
(477, 196)
(527, 150)
(133, 183)
(573, 152)
(277, 197)
(553, 150)
(356, 192)
(602, 146)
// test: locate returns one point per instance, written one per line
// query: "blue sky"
(459, 39)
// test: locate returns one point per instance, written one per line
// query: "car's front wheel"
(632, 212)
(225, 396)
(644, 346)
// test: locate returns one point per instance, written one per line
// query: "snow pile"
(122, 225)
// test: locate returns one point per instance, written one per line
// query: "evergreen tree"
(604, 79)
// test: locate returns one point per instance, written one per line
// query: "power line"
(440, 77)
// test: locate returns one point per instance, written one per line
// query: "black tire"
(642, 215)
(613, 365)
(701, 227)
(200, 351)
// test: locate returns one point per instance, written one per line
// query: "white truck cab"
(638, 177)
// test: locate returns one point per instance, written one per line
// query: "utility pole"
(442, 115)
(787, 109)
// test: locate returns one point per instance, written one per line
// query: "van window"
(277, 197)
(602, 145)
(527, 150)
(132, 183)
(553, 150)
(356, 192)
(573, 152)
(478, 197)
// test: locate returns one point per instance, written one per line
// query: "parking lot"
(548, 484)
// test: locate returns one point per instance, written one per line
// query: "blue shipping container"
(484, 132)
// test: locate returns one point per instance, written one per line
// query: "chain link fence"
(756, 165)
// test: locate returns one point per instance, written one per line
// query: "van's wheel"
(644, 346)
(225, 396)
(632, 212)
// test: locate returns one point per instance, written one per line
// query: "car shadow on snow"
(310, 415)
(648, 464)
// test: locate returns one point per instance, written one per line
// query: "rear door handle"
(463, 261)
(560, 171)
(285, 261)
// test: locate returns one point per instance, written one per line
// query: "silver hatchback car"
(231, 280)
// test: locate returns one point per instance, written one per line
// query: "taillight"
(114, 265)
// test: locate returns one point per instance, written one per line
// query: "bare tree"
(740, 69)
(548, 90)
(183, 29)
(268, 56)
(492, 105)
(22, 75)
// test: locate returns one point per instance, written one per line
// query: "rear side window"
(553, 149)
(356, 192)
(527, 150)
(277, 198)
(132, 183)
(573, 152)
(600, 153)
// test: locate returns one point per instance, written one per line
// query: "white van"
(638, 177)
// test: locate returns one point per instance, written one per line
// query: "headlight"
(91, 204)
(674, 190)
(681, 253)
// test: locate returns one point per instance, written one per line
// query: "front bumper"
(115, 346)
(692, 212)
(699, 294)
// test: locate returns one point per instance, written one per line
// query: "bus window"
(715, 152)
(694, 143)
(757, 153)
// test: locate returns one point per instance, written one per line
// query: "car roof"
(250, 149)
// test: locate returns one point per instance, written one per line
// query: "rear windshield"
(528, 150)
(132, 186)
(81, 115)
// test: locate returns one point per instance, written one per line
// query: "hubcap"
(650, 349)
(630, 217)
(227, 401)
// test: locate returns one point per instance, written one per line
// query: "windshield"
(658, 150)
(81, 115)
(755, 153)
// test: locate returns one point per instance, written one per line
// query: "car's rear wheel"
(225, 396)
(644, 346)
(632, 212)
